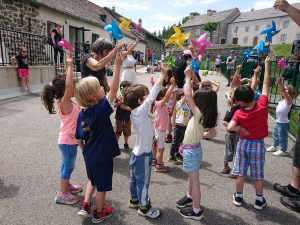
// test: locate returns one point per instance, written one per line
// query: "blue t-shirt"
(94, 128)
(195, 65)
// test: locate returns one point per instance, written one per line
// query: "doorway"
(235, 41)
(255, 41)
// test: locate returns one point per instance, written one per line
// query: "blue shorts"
(250, 153)
(192, 156)
(100, 174)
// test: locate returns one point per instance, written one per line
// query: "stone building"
(195, 24)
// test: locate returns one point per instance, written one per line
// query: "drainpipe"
(218, 36)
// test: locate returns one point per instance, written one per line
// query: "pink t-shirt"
(68, 125)
(161, 116)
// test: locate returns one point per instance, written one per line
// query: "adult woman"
(94, 64)
(129, 62)
(56, 36)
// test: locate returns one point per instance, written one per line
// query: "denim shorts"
(192, 156)
(69, 153)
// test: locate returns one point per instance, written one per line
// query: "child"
(62, 89)
(217, 65)
(281, 129)
(183, 114)
(231, 137)
(209, 84)
(170, 104)
(251, 121)
(22, 68)
(204, 108)
(149, 68)
(236, 79)
(207, 64)
(96, 138)
(123, 123)
(161, 115)
(137, 97)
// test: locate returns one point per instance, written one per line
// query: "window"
(245, 40)
(285, 24)
(298, 36)
(256, 28)
(268, 26)
(94, 37)
(246, 29)
(198, 31)
(282, 38)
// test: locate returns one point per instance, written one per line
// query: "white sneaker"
(150, 212)
(271, 149)
(279, 153)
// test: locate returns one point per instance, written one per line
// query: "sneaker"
(154, 162)
(85, 209)
(271, 149)
(161, 168)
(66, 198)
(190, 214)
(179, 157)
(226, 170)
(260, 205)
(237, 201)
(173, 160)
(133, 204)
(279, 153)
(291, 203)
(74, 189)
(169, 138)
(126, 147)
(284, 190)
(185, 201)
(149, 211)
(107, 212)
(232, 176)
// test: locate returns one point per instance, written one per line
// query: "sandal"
(161, 168)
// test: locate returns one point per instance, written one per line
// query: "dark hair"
(170, 73)
(179, 95)
(134, 93)
(206, 101)
(54, 90)
(124, 84)
(244, 93)
(100, 45)
(186, 57)
(161, 94)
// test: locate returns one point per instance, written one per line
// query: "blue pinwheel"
(114, 31)
(260, 47)
(247, 54)
(270, 32)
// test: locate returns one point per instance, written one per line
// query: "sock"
(239, 194)
(189, 196)
(259, 197)
(196, 210)
(292, 189)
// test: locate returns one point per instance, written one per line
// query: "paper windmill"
(171, 61)
(281, 63)
(270, 32)
(66, 44)
(247, 53)
(152, 81)
(125, 24)
(202, 43)
(178, 37)
(138, 26)
(114, 31)
(260, 47)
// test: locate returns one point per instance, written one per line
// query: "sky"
(156, 14)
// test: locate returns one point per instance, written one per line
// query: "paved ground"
(30, 164)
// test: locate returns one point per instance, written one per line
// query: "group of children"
(196, 115)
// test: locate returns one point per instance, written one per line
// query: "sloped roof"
(203, 19)
(261, 14)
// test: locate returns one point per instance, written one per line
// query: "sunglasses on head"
(24, 51)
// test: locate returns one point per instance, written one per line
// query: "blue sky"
(158, 13)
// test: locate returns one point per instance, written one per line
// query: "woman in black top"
(94, 65)
(56, 36)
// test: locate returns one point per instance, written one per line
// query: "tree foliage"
(210, 27)
(187, 17)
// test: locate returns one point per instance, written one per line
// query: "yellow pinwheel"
(178, 37)
(125, 24)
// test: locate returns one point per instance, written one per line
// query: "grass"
(293, 120)
(282, 49)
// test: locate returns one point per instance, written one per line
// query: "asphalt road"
(30, 166)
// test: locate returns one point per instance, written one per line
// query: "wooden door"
(223, 41)
(255, 41)
(235, 41)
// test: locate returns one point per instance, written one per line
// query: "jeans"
(69, 153)
(280, 135)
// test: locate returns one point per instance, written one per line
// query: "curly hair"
(134, 93)
(292, 91)
(206, 101)
(54, 90)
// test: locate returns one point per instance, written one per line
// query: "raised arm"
(287, 98)
(125, 53)
(237, 72)
(254, 78)
(265, 88)
(293, 12)
(188, 90)
(169, 92)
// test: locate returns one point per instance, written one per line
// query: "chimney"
(209, 12)
(140, 21)
(103, 18)
(191, 16)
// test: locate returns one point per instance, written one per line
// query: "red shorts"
(23, 72)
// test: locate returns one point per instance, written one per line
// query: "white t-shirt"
(282, 112)
(141, 123)
(183, 112)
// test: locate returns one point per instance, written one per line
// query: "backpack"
(49, 40)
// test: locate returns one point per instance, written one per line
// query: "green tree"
(154, 33)
(210, 27)
(188, 17)
(159, 34)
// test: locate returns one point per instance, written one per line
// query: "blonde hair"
(84, 90)
(292, 91)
